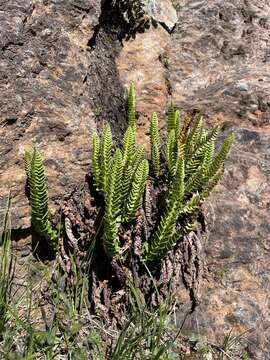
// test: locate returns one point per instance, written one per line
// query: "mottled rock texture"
(219, 60)
(235, 295)
(44, 101)
(139, 62)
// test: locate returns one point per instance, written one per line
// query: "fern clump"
(120, 178)
(189, 172)
(40, 216)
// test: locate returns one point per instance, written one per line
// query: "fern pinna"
(40, 217)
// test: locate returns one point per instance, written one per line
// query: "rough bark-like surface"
(219, 59)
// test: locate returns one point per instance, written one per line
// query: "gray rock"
(44, 101)
(219, 45)
(163, 12)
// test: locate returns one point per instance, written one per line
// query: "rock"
(163, 12)
(139, 62)
(215, 45)
(44, 60)
(236, 296)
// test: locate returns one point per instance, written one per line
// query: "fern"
(137, 189)
(39, 198)
(129, 145)
(131, 105)
(163, 241)
(171, 154)
(105, 156)
(155, 144)
(112, 205)
(193, 173)
(96, 161)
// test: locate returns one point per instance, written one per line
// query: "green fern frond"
(112, 205)
(106, 144)
(129, 145)
(137, 189)
(131, 113)
(163, 241)
(219, 160)
(39, 198)
(155, 144)
(173, 120)
(130, 170)
(199, 177)
(194, 137)
(96, 161)
(171, 154)
(196, 158)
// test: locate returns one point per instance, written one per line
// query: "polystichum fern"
(120, 177)
(183, 178)
(191, 171)
(40, 217)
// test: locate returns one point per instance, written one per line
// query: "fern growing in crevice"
(40, 216)
(182, 180)
(191, 171)
(120, 177)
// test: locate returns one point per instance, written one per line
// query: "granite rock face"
(163, 12)
(219, 60)
(44, 100)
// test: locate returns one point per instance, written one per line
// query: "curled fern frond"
(39, 198)
(155, 144)
(131, 113)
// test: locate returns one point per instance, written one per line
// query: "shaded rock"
(236, 296)
(44, 100)
(219, 60)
